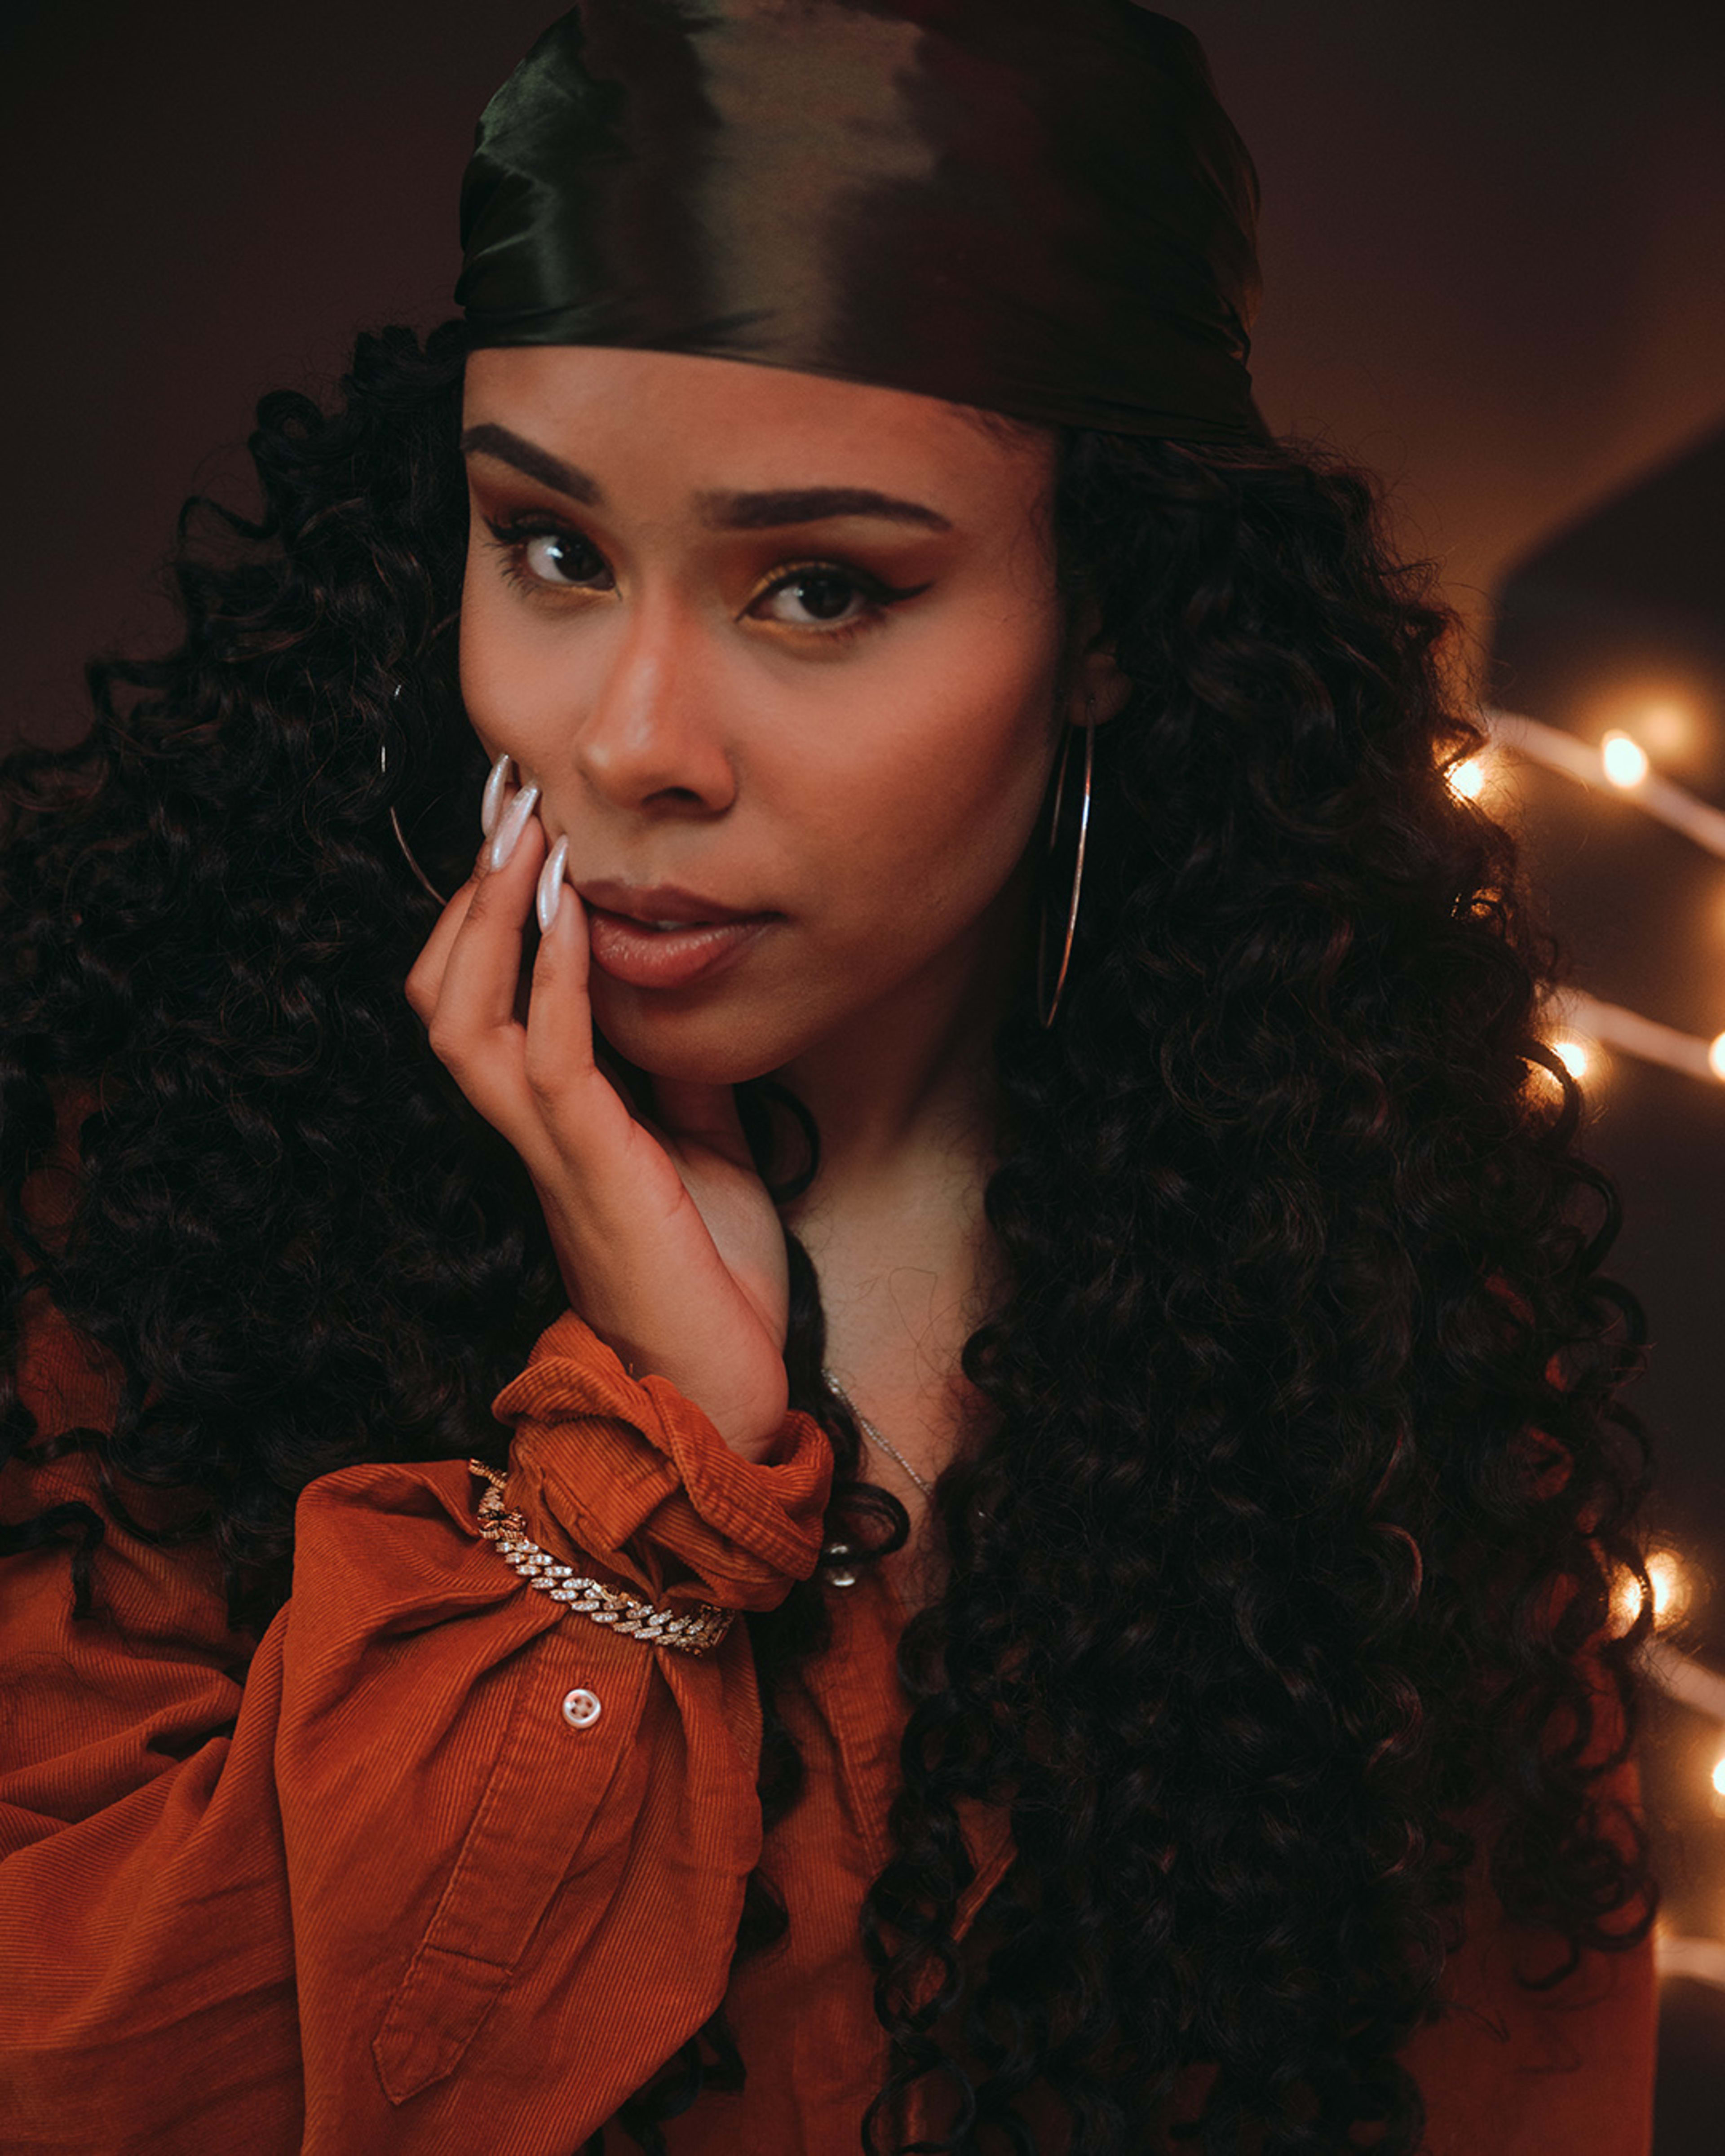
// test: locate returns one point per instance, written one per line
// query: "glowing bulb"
(1670, 1584)
(1574, 1056)
(1467, 778)
(1626, 760)
(1719, 1778)
(1667, 1594)
(1716, 1055)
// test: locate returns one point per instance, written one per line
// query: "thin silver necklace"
(882, 1443)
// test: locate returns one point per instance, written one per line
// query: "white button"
(581, 1709)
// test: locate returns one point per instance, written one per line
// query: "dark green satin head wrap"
(1034, 205)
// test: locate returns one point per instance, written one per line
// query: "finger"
(477, 993)
(694, 1113)
(559, 1060)
(425, 980)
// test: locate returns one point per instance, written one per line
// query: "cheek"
(501, 688)
(484, 655)
(942, 809)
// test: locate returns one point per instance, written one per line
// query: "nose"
(654, 735)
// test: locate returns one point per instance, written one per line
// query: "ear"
(1098, 684)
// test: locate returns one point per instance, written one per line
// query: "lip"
(663, 901)
(644, 957)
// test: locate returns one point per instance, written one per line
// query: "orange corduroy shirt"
(377, 1885)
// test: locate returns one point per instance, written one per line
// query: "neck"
(910, 1080)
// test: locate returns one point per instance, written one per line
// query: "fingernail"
(491, 801)
(515, 821)
(551, 884)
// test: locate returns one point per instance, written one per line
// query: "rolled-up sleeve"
(636, 1475)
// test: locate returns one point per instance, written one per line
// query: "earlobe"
(1102, 687)
(1098, 684)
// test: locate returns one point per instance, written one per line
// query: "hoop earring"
(395, 826)
(1054, 827)
(448, 621)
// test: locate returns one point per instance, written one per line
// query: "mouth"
(663, 937)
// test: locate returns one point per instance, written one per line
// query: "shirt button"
(581, 1709)
(837, 1572)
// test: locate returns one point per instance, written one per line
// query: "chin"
(698, 1043)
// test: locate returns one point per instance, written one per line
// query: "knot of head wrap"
(1038, 208)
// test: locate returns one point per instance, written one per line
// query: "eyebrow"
(719, 511)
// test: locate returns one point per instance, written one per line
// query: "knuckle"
(544, 1077)
(449, 1045)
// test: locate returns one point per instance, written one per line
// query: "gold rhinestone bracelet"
(693, 1629)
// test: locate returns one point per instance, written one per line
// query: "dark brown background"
(1493, 240)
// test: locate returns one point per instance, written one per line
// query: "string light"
(1670, 1582)
(1703, 1959)
(1626, 1598)
(1579, 1021)
(1468, 778)
(1657, 795)
(1623, 758)
(1621, 763)
(1679, 1677)
(1646, 1037)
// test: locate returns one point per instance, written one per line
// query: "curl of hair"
(1266, 1598)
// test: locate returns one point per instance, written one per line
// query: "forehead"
(684, 419)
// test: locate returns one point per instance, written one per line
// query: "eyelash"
(511, 539)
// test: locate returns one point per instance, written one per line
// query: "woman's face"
(773, 646)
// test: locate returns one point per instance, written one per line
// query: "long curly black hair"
(1277, 1586)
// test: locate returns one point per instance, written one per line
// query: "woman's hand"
(668, 1244)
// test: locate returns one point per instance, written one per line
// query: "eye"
(540, 554)
(826, 598)
(824, 594)
(559, 557)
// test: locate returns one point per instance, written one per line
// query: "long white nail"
(551, 883)
(491, 801)
(515, 821)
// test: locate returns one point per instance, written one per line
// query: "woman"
(979, 1111)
